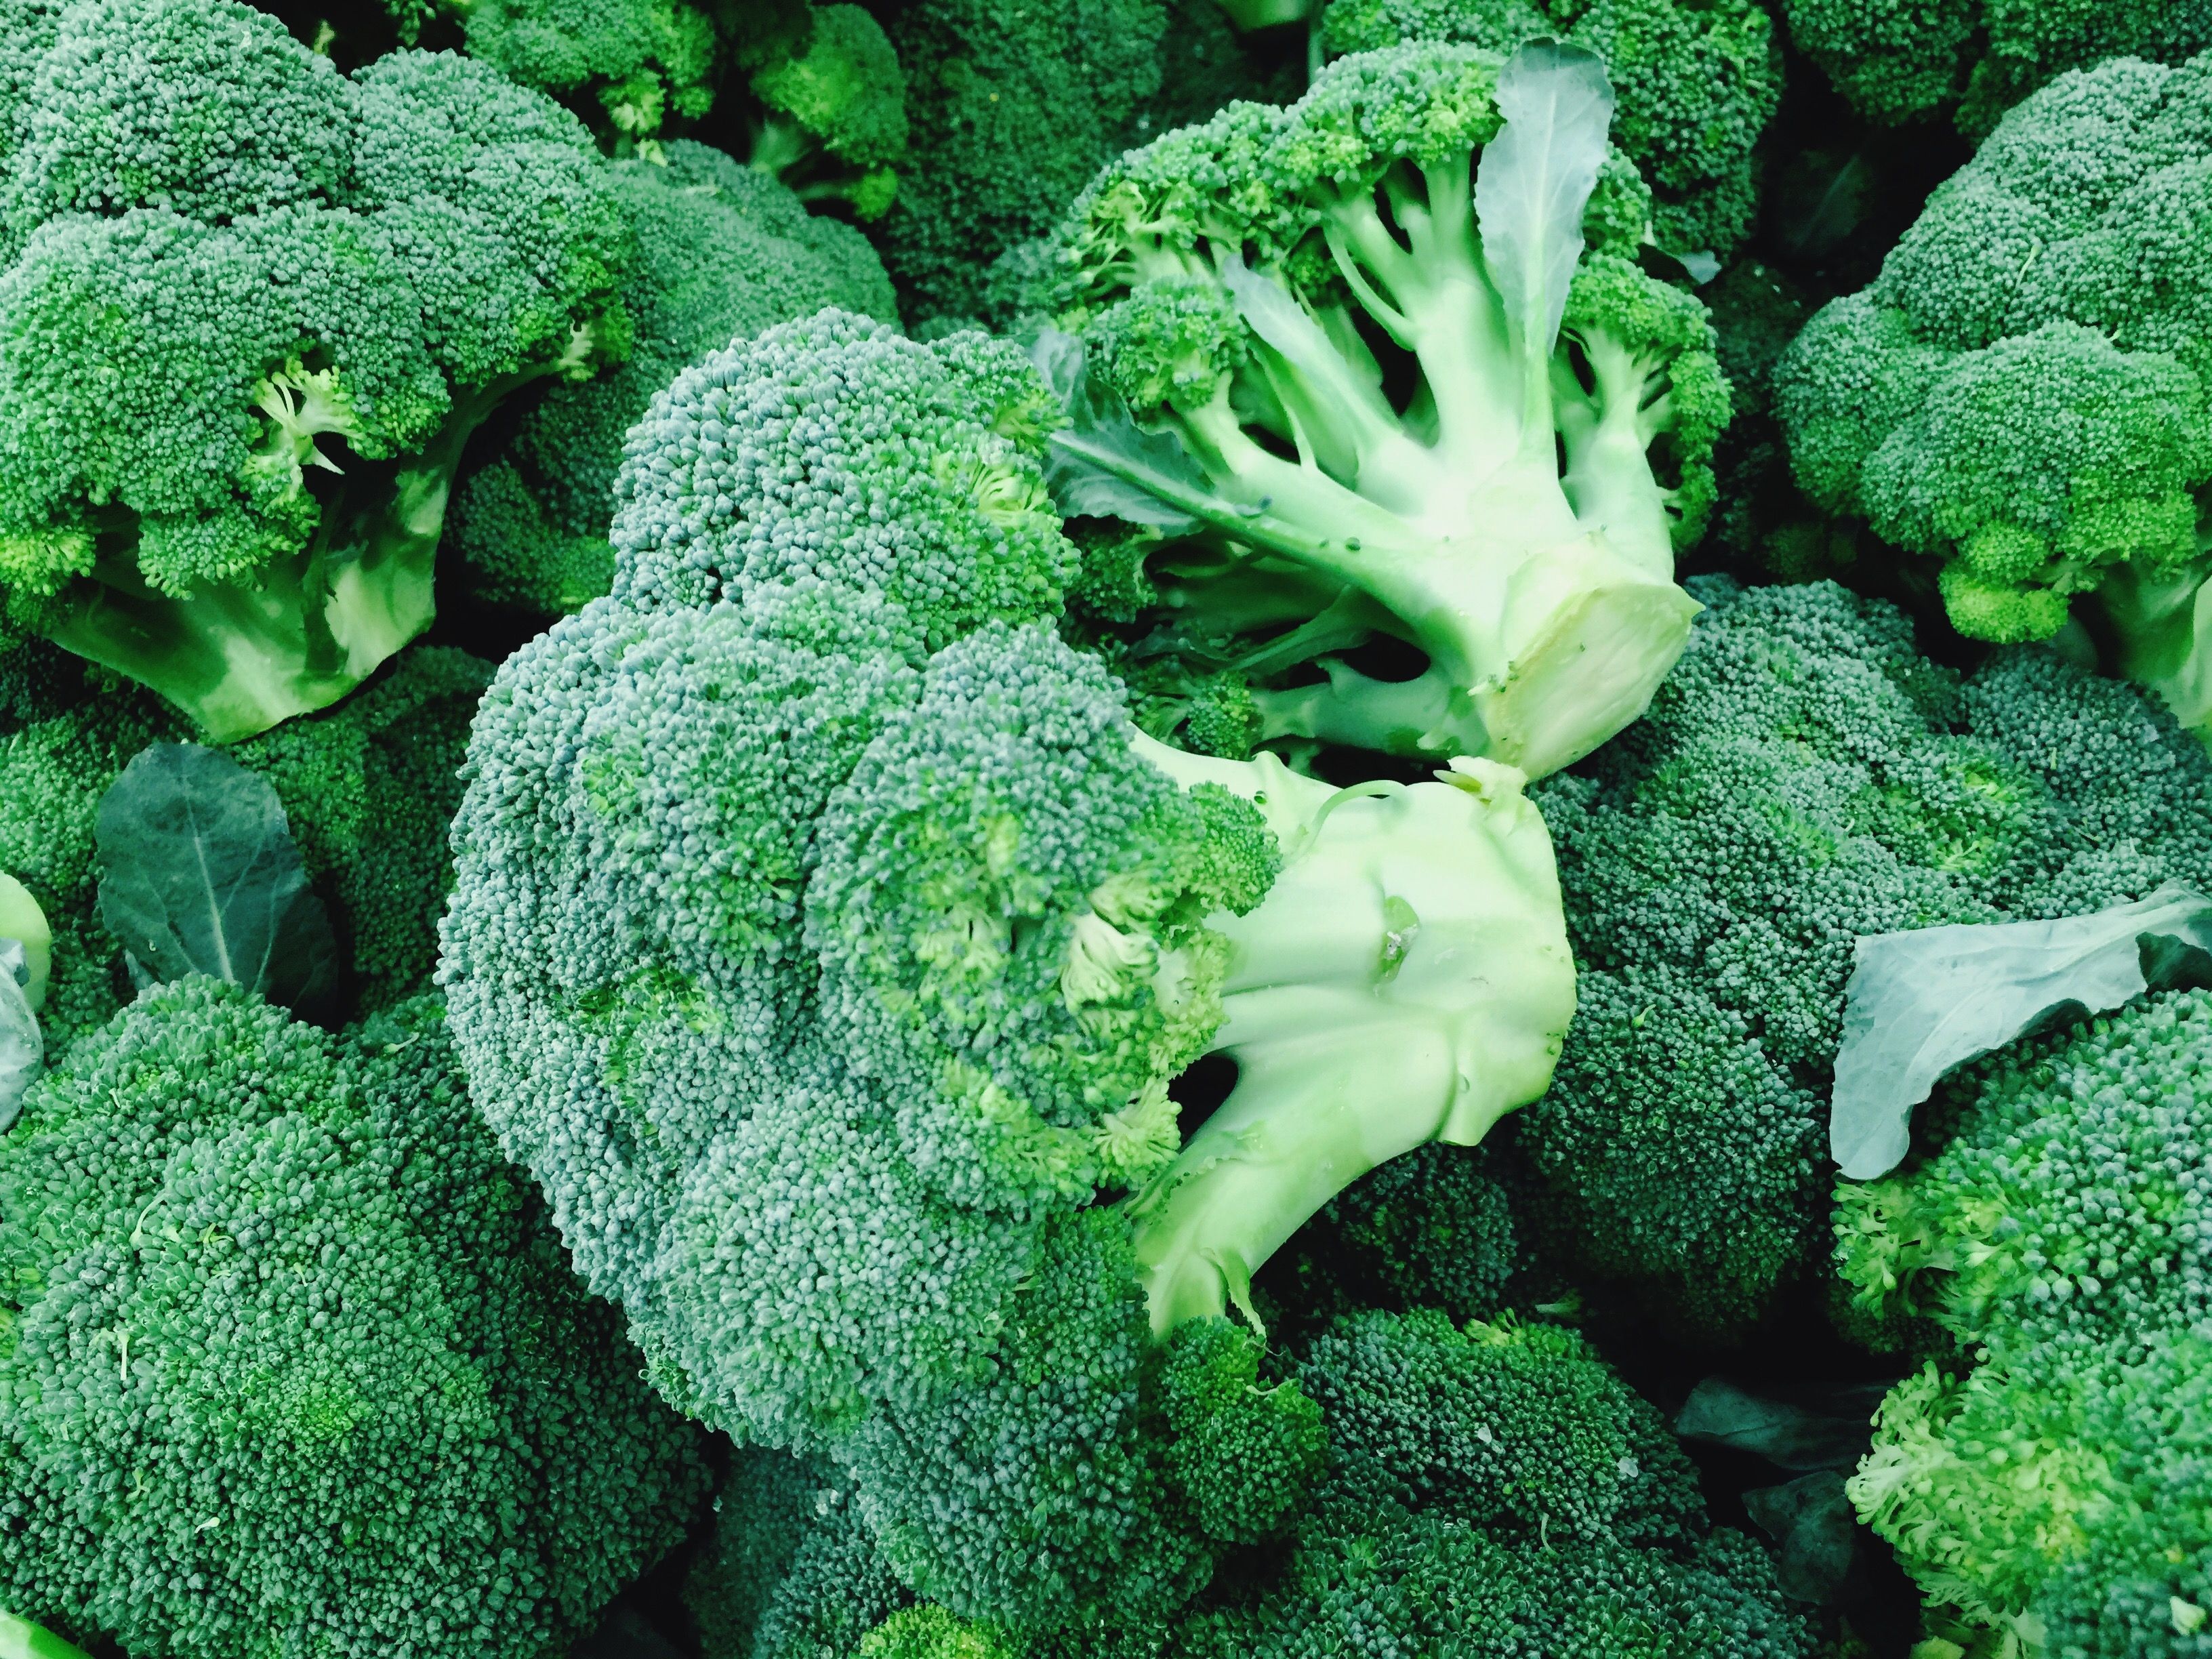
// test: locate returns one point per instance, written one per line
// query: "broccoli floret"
(835, 121)
(930, 1633)
(1497, 1490)
(1697, 84)
(1512, 505)
(1805, 779)
(1013, 108)
(723, 252)
(2021, 393)
(2049, 1478)
(297, 294)
(368, 789)
(292, 1362)
(1903, 60)
(789, 1571)
(828, 944)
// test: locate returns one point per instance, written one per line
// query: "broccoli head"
(1697, 83)
(1904, 60)
(834, 118)
(253, 310)
(2046, 1479)
(1804, 778)
(2021, 393)
(293, 1362)
(829, 945)
(1507, 494)
(723, 251)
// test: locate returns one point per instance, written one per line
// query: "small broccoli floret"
(2021, 393)
(2048, 1481)
(1805, 779)
(1497, 1490)
(1697, 83)
(293, 1360)
(1897, 61)
(723, 252)
(931, 1632)
(789, 1571)
(298, 296)
(1508, 497)
(835, 114)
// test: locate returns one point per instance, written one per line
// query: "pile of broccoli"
(958, 829)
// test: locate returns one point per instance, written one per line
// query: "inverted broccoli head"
(1697, 85)
(723, 252)
(2043, 1480)
(1897, 62)
(1804, 778)
(296, 294)
(1515, 513)
(2022, 391)
(289, 1284)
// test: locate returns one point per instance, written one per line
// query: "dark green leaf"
(23, 1050)
(1814, 1533)
(198, 874)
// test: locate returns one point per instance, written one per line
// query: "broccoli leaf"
(1922, 1002)
(1834, 1436)
(22, 919)
(1093, 465)
(1535, 178)
(23, 1050)
(21, 1640)
(1815, 1531)
(198, 873)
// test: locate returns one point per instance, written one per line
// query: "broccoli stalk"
(1359, 1023)
(2163, 619)
(1546, 595)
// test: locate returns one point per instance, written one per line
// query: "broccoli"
(1514, 514)
(1496, 1489)
(368, 789)
(297, 293)
(1014, 106)
(2021, 393)
(1697, 83)
(723, 252)
(839, 106)
(828, 944)
(2046, 1480)
(1897, 61)
(1805, 778)
(292, 1362)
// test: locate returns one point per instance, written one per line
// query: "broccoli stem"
(1427, 717)
(1407, 980)
(22, 1639)
(239, 658)
(2164, 621)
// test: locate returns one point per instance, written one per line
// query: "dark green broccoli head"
(254, 310)
(288, 1283)
(2021, 393)
(1697, 84)
(1803, 779)
(723, 252)
(1899, 61)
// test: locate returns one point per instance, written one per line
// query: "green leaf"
(22, 919)
(1921, 1003)
(1833, 1435)
(1103, 465)
(1534, 179)
(198, 874)
(1815, 1531)
(21, 1640)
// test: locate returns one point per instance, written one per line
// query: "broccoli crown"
(214, 243)
(368, 790)
(919, 465)
(845, 90)
(1804, 778)
(1897, 61)
(723, 252)
(930, 1633)
(1496, 1489)
(292, 1359)
(2021, 391)
(1428, 440)
(1697, 84)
